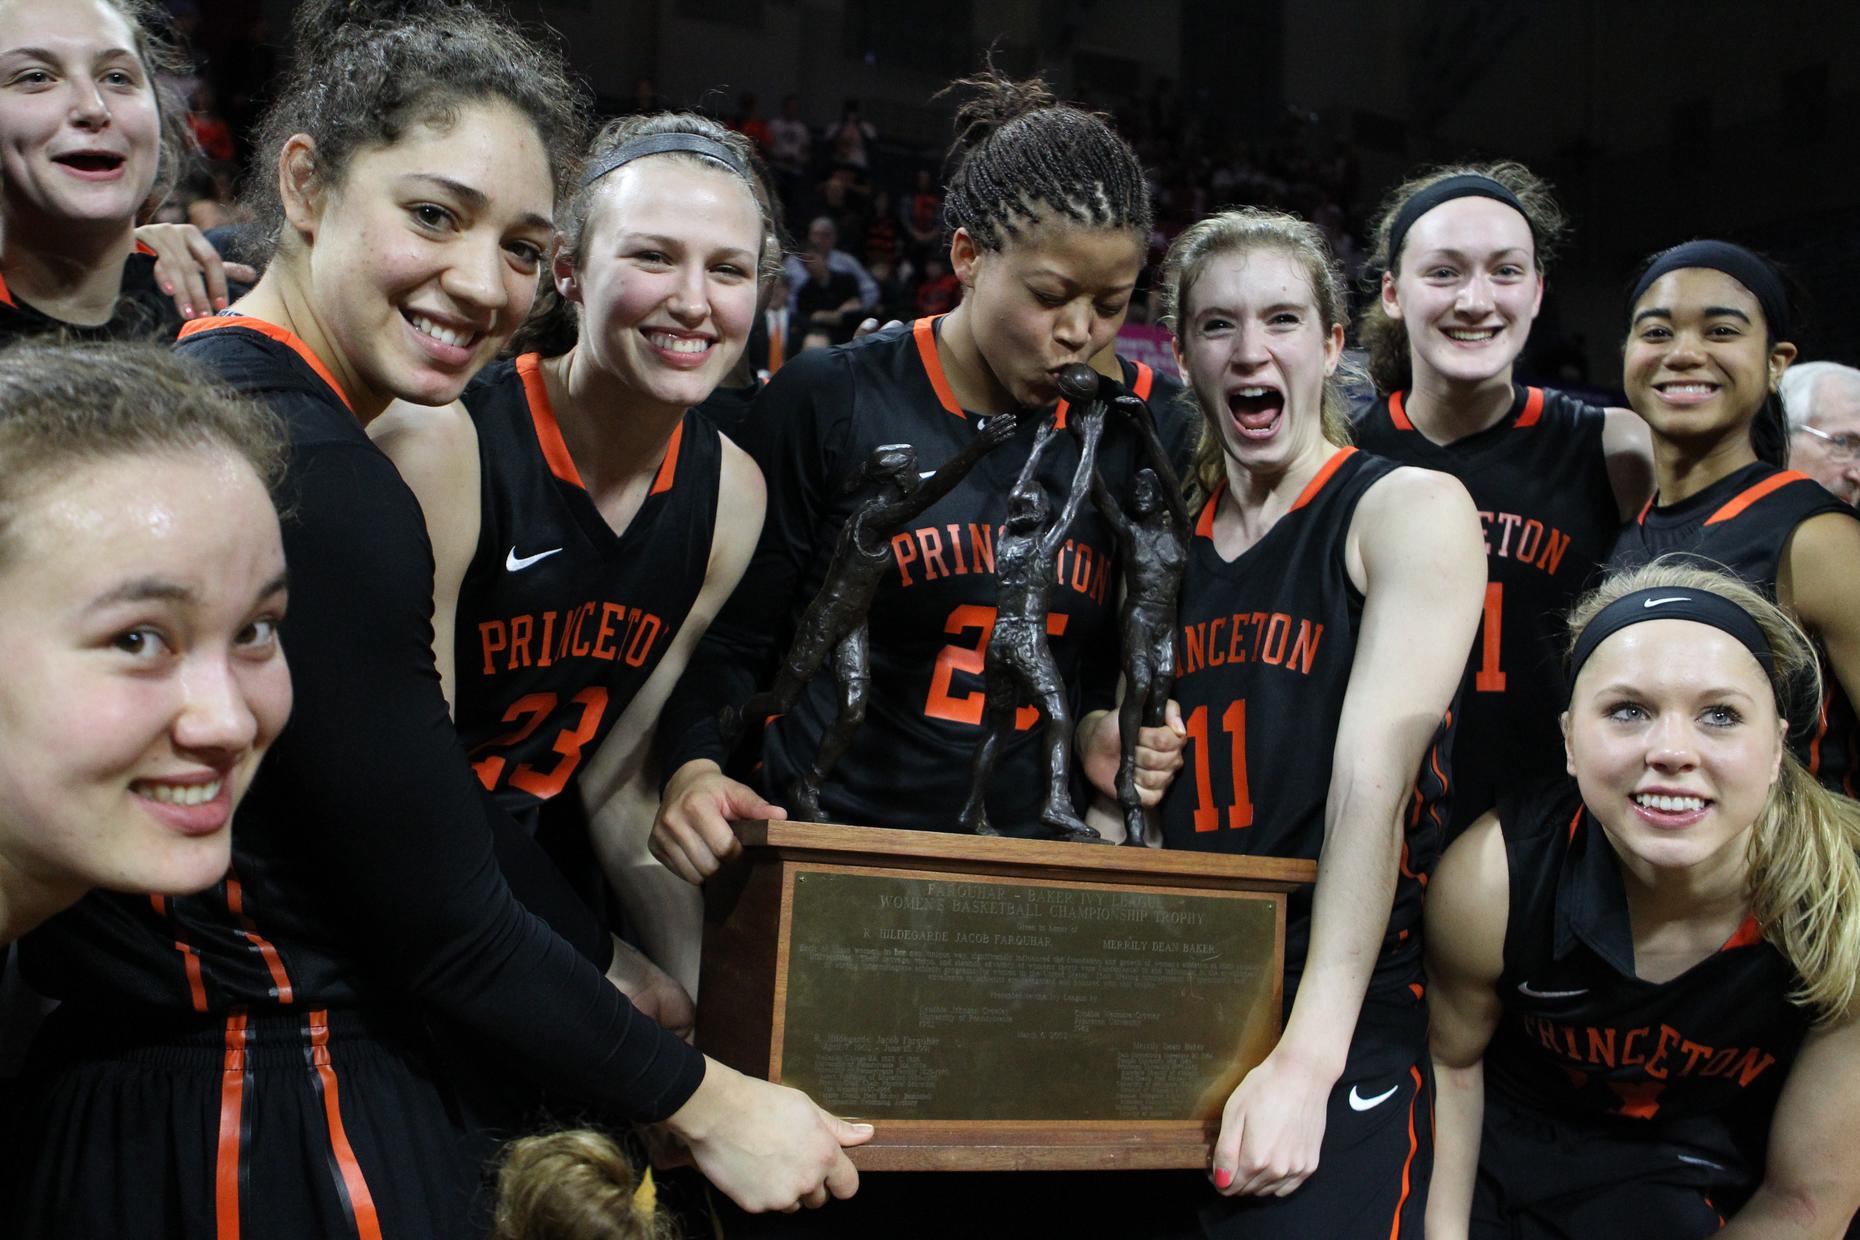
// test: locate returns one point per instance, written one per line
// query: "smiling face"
(666, 278)
(1467, 292)
(1256, 351)
(424, 258)
(1673, 735)
(142, 598)
(79, 129)
(1697, 365)
(1053, 296)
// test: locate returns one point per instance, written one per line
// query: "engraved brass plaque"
(923, 997)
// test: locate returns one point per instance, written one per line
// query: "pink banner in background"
(1141, 342)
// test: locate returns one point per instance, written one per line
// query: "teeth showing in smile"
(1669, 805)
(1252, 393)
(178, 794)
(1688, 389)
(1472, 334)
(678, 344)
(444, 335)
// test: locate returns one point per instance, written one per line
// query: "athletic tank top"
(1539, 478)
(1267, 643)
(561, 620)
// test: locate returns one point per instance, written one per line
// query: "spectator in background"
(211, 132)
(791, 146)
(1822, 400)
(884, 242)
(749, 122)
(922, 216)
(848, 138)
(940, 290)
(820, 261)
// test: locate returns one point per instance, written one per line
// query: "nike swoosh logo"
(1524, 988)
(515, 565)
(1655, 602)
(1699, 1162)
(1360, 1103)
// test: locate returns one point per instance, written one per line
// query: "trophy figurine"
(834, 623)
(1018, 667)
(1152, 540)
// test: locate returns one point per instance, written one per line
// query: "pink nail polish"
(1222, 1177)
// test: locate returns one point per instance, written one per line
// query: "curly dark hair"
(367, 70)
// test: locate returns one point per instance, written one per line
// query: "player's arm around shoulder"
(1627, 446)
(1819, 580)
(1811, 1179)
(1468, 904)
(436, 452)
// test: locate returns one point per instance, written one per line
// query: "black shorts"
(317, 1125)
(1541, 1179)
(1378, 1150)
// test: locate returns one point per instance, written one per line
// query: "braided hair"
(1021, 157)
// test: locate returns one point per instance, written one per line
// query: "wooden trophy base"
(997, 1004)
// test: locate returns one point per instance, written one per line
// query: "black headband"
(1746, 268)
(663, 144)
(1466, 185)
(1676, 603)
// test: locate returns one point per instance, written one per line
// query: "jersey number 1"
(1233, 722)
(1489, 679)
(533, 708)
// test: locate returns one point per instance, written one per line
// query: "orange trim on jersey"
(143, 249)
(1204, 528)
(542, 417)
(1574, 822)
(1145, 379)
(235, 904)
(1821, 731)
(361, 1201)
(924, 330)
(273, 332)
(668, 468)
(1751, 494)
(1420, 991)
(1407, 1165)
(1324, 475)
(1645, 508)
(1533, 409)
(232, 1132)
(1746, 935)
(1397, 414)
(190, 959)
(6, 294)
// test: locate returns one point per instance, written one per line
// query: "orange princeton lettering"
(904, 550)
(643, 637)
(932, 543)
(520, 632)
(493, 637)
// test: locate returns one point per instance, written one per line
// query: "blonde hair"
(1804, 850)
(1386, 339)
(576, 1184)
(1239, 231)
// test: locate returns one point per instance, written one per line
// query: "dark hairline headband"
(665, 144)
(1735, 261)
(1465, 185)
(1673, 603)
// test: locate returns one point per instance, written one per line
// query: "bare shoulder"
(1469, 901)
(1416, 513)
(433, 447)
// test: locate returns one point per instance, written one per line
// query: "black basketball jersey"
(934, 612)
(1267, 643)
(561, 620)
(143, 311)
(1699, 1059)
(1740, 524)
(1539, 478)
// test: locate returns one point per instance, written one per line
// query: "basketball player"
(1048, 251)
(1707, 344)
(141, 586)
(1644, 1010)
(1462, 251)
(1328, 602)
(416, 148)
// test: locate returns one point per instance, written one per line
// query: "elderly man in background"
(1823, 403)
